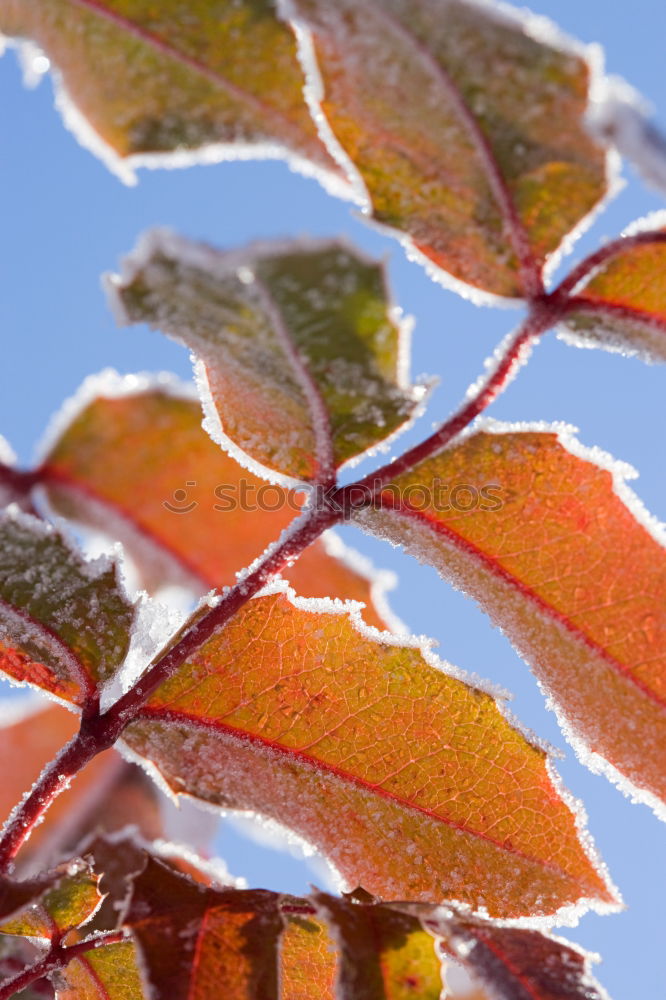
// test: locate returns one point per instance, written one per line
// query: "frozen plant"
(483, 139)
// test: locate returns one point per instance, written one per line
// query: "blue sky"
(66, 219)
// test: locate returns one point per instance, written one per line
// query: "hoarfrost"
(619, 115)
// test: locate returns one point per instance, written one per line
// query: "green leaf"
(300, 350)
(67, 905)
(223, 80)
(65, 624)
(464, 124)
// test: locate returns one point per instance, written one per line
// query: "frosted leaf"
(463, 125)
(64, 623)
(389, 756)
(551, 542)
(143, 87)
(620, 305)
(128, 458)
(301, 362)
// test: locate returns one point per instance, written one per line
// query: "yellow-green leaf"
(219, 78)
(69, 904)
(383, 954)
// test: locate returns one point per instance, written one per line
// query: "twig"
(56, 958)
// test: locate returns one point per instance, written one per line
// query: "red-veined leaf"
(194, 940)
(110, 972)
(516, 964)
(223, 81)
(542, 538)
(307, 956)
(65, 624)
(621, 304)
(408, 779)
(464, 124)
(139, 466)
(300, 352)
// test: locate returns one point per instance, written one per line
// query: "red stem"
(603, 256)
(54, 779)
(56, 957)
(100, 731)
(362, 493)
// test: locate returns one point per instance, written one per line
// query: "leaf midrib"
(150, 713)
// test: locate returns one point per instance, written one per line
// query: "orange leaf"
(621, 305)
(410, 781)
(149, 81)
(307, 957)
(65, 624)
(542, 539)
(301, 357)
(465, 126)
(139, 467)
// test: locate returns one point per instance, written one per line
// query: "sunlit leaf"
(384, 954)
(623, 302)
(107, 973)
(306, 957)
(224, 79)
(465, 124)
(194, 940)
(70, 903)
(542, 538)
(516, 964)
(140, 468)
(64, 624)
(300, 350)
(408, 779)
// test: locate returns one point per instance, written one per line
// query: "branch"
(603, 256)
(56, 958)
(19, 484)
(100, 731)
(54, 779)
(543, 315)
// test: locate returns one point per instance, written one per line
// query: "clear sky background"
(66, 219)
